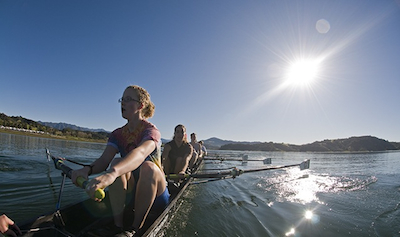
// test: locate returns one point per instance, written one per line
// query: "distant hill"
(69, 131)
(27, 126)
(352, 144)
(216, 143)
(61, 126)
(165, 140)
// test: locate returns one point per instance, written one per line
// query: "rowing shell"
(166, 216)
(90, 218)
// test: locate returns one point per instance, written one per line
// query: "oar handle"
(177, 176)
(82, 182)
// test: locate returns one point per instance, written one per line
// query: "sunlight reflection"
(311, 216)
(291, 232)
(308, 215)
(300, 187)
(296, 188)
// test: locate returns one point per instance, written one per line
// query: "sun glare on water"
(308, 215)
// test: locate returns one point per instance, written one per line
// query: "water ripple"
(387, 223)
(304, 188)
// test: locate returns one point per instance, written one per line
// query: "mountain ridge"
(61, 126)
(351, 144)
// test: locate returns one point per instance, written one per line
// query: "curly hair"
(144, 98)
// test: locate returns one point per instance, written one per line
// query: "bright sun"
(302, 72)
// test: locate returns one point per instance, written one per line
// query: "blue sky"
(220, 67)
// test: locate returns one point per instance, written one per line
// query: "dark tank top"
(176, 151)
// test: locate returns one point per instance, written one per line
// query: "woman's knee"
(125, 180)
(150, 170)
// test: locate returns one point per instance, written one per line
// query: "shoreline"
(69, 138)
(76, 139)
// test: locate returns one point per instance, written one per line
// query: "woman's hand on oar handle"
(97, 195)
(80, 179)
(95, 187)
(81, 173)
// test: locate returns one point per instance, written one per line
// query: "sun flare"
(302, 72)
(308, 215)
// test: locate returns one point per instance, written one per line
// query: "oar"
(244, 159)
(82, 182)
(236, 172)
(227, 168)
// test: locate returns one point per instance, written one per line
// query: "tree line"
(25, 124)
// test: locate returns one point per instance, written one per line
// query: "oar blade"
(48, 155)
(305, 164)
(267, 161)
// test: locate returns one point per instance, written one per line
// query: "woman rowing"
(197, 151)
(138, 170)
(177, 153)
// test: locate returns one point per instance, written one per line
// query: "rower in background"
(203, 148)
(197, 151)
(177, 153)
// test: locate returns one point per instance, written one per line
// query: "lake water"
(342, 194)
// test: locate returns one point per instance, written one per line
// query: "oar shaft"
(82, 182)
(212, 175)
(230, 159)
(236, 172)
(270, 168)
